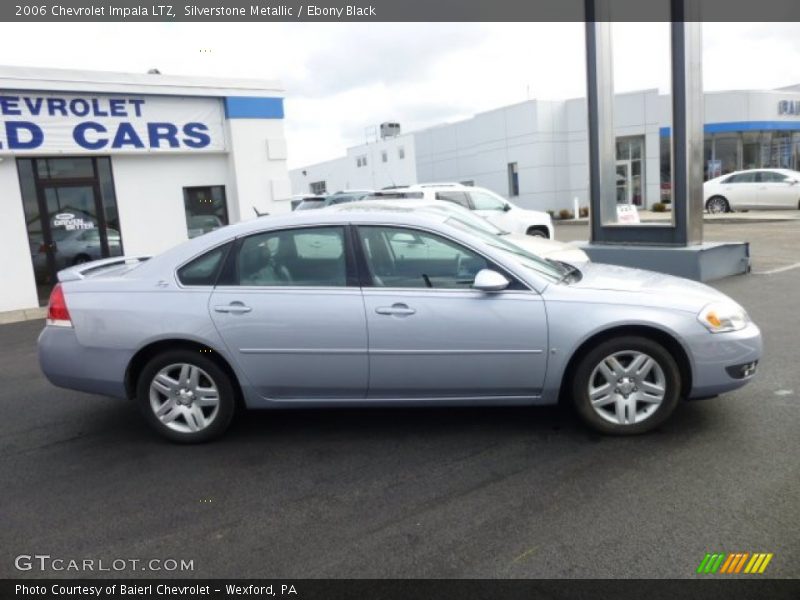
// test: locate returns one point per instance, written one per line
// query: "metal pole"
(687, 121)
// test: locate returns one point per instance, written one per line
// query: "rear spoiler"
(81, 271)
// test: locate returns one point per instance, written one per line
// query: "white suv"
(496, 209)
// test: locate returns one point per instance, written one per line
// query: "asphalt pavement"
(497, 493)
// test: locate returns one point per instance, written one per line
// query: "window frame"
(228, 276)
(365, 273)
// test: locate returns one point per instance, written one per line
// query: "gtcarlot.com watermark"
(50, 564)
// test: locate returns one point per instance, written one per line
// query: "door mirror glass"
(490, 281)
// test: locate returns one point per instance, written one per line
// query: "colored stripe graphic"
(734, 563)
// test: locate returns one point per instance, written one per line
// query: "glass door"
(624, 188)
(69, 220)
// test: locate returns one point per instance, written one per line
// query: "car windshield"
(467, 217)
(310, 204)
(549, 269)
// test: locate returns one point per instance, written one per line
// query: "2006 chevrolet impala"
(386, 308)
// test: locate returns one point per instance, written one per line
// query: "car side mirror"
(791, 181)
(490, 281)
(506, 207)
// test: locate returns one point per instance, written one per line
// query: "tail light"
(57, 312)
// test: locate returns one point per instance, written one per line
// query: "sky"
(342, 78)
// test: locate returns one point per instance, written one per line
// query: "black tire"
(538, 232)
(80, 259)
(591, 360)
(719, 201)
(227, 396)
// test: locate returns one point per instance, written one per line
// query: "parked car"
(501, 212)
(341, 197)
(353, 308)
(72, 247)
(540, 246)
(753, 189)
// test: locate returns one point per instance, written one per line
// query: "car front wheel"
(186, 397)
(626, 385)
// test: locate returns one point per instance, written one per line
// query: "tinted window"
(486, 201)
(771, 177)
(293, 257)
(455, 197)
(311, 204)
(204, 269)
(741, 178)
(407, 258)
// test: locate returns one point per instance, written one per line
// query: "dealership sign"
(789, 107)
(36, 123)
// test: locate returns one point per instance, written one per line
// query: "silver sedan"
(382, 308)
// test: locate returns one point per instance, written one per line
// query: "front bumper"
(724, 361)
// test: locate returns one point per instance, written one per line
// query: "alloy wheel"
(717, 206)
(184, 398)
(627, 387)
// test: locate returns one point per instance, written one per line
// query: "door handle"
(395, 309)
(234, 308)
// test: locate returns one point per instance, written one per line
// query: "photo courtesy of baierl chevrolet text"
(398, 300)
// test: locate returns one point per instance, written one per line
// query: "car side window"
(771, 177)
(459, 198)
(484, 201)
(204, 269)
(741, 178)
(313, 256)
(407, 258)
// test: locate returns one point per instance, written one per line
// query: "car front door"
(777, 190)
(290, 311)
(432, 335)
(495, 209)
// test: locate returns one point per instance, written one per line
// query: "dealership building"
(97, 164)
(536, 152)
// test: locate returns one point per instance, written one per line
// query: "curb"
(18, 316)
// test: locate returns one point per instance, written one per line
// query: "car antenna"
(260, 214)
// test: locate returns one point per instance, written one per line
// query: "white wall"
(150, 196)
(17, 284)
(257, 165)
(343, 173)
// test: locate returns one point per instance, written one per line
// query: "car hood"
(547, 248)
(646, 287)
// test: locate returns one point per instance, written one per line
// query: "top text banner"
(391, 10)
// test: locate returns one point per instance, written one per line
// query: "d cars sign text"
(74, 124)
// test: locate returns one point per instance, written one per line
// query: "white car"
(540, 246)
(753, 189)
(496, 209)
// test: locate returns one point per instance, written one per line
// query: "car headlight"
(719, 317)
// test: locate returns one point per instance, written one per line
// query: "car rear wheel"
(717, 205)
(186, 397)
(626, 385)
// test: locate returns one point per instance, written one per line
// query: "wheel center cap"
(626, 386)
(184, 396)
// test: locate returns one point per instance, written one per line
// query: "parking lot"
(419, 493)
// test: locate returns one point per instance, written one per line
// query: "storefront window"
(206, 209)
(665, 151)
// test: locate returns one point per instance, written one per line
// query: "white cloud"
(342, 78)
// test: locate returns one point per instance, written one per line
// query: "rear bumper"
(68, 364)
(721, 360)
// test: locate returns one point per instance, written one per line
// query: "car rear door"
(290, 311)
(432, 336)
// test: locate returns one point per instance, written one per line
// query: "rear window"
(204, 269)
(311, 204)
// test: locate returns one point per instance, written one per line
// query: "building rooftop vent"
(389, 130)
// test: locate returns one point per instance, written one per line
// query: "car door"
(432, 335)
(741, 190)
(289, 309)
(493, 208)
(777, 190)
